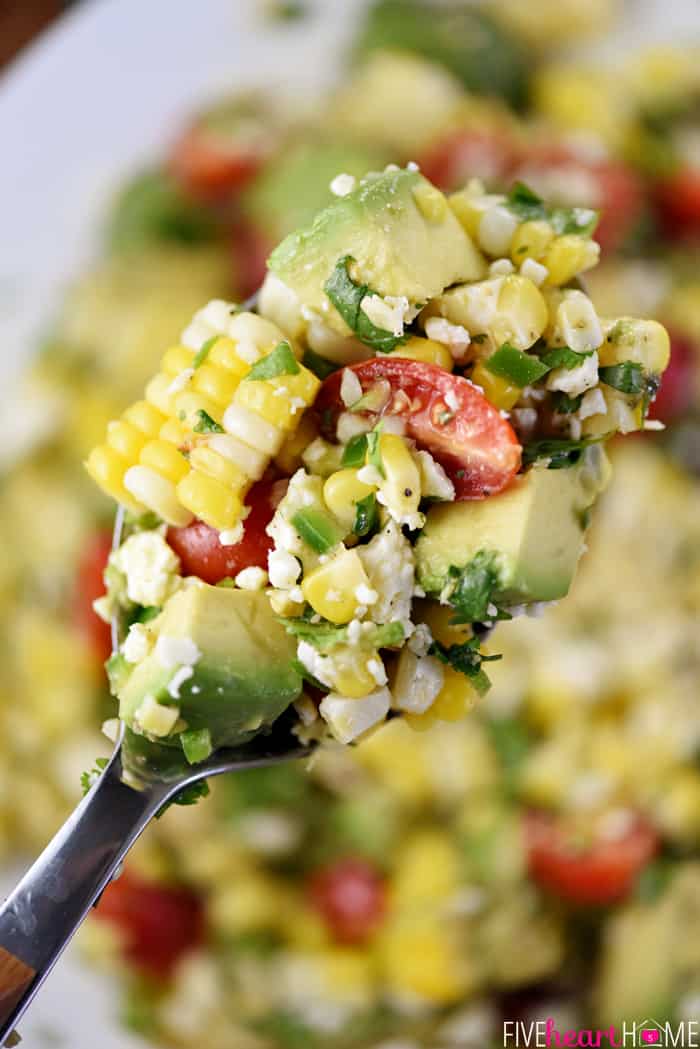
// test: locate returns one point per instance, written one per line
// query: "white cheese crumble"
(454, 336)
(252, 578)
(376, 669)
(137, 643)
(350, 388)
(534, 271)
(418, 682)
(173, 652)
(283, 569)
(593, 403)
(150, 566)
(365, 595)
(388, 314)
(350, 718)
(231, 536)
(421, 640)
(573, 381)
(316, 664)
(388, 562)
(178, 679)
(342, 185)
(350, 425)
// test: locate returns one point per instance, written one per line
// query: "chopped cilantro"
(87, 779)
(528, 207)
(467, 659)
(522, 369)
(280, 361)
(205, 423)
(565, 405)
(347, 298)
(627, 377)
(473, 587)
(366, 515)
(203, 353)
(324, 635)
(320, 366)
(560, 453)
(355, 451)
(374, 454)
(563, 357)
(188, 796)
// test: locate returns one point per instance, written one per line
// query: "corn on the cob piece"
(206, 431)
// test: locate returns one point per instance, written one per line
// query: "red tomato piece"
(250, 247)
(603, 873)
(158, 924)
(677, 391)
(445, 414)
(212, 166)
(350, 896)
(465, 154)
(678, 202)
(89, 586)
(201, 553)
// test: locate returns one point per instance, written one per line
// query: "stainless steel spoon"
(41, 915)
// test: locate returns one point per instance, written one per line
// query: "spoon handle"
(42, 914)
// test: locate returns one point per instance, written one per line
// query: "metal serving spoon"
(42, 914)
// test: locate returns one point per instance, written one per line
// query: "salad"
(331, 500)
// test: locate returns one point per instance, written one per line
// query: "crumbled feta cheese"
(525, 420)
(296, 595)
(421, 640)
(155, 719)
(654, 424)
(231, 536)
(150, 566)
(303, 490)
(283, 569)
(334, 595)
(388, 314)
(388, 562)
(369, 475)
(593, 403)
(418, 682)
(434, 482)
(350, 718)
(573, 381)
(496, 230)
(179, 677)
(317, 665)
(534, 271)
(365, 595)
(376, 669)
(354, 631)
(412, 166)
(455, 337)
(297, 404)
(137, 643)
(252, 578)
(501, 268)
(350, 388)
(180, 381)
(342, 185)
(173, 652)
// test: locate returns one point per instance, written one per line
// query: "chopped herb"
(187, 796)
(563, 357)
(366, 515)
(324, 635)
(280, 361)
(145, 522)
(627, 377)
(320, 366)
(205, 423)
(467, 659)
(347, 298)
(226, 584)
(472, 588)
(565, 405)
(87, 779)
(318, 529)
(528, 207)
(560, 453)
(522, 369)
(374, 453)
(196, 744)
(355, 451)
(203, 353)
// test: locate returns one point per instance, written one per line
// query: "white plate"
(96, 96)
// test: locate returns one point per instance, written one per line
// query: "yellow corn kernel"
(331, 588)
(341, 492)
(621, 416)
(158, 393)
(499, 391)
(164, 458)
(258, 396)
(431, 203)
(644, 342)
(107, 469)
(144, 417)
(188, 405)
(304, 385)
(401, 490)
(521, 315)
(421, 958)
(470, 206)
(174, 431)
(176, 360)
(428, 868)
(289, 456)
(456, 697)
(157, 493)
(531, 241)
(224, 354)
(215, 383)
(439, 618)
(249, 461)
(350, 676)
(210, 462)
(125, 439)
(210, 500)
(251, 429)
(419, 349)
(569, 255)
(678, 811)
(282, 604)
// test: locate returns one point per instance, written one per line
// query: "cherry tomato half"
(466, 154)
(158, 924)
(89, 586)
(445, 414)
(677, 391)
(201, 553)
(250, 247)
(678, 201)
(603, 873)
(350, 896)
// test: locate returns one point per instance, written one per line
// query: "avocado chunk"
(242, 677)
(400, 234)
(533, 531)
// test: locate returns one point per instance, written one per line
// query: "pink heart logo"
(650, 1037)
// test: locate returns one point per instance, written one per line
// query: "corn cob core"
(202, 435)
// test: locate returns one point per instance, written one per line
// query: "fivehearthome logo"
(544, 1034)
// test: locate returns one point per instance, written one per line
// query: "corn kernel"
(249, 461)
(251, 429)
(421, 958)
(225, 355)
(289, 456)
(107, 469)
(419, 349)
(158, 494)
(189, 404)
(176, 360)
(341, 492)
(499, 391)
(125, 439)
(165, 459)
(400, 490)
(175, 432)
(210, 500)
(144, 417)
(158, 393)
(350, 676)
(215, 383)
(531, 241)
(470, 206)
(569, 255)
(205, 459)
(521, 315)
(455, 698)
(644, 342)
(282, 604)
(330, 588)
(259, 398)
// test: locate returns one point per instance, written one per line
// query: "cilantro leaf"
(324, 635)
(280, 361)
(467, 659)
(563, 357)
(366, 515)
(565, 405)
(627, 377)
(528, 207)
(205, 423)
(561, 453)
(89, 778)
(473, 586)
(355, 451)
(202, 354)
(374, 454)
(347, 298)
(522, 369)
(187, 796)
